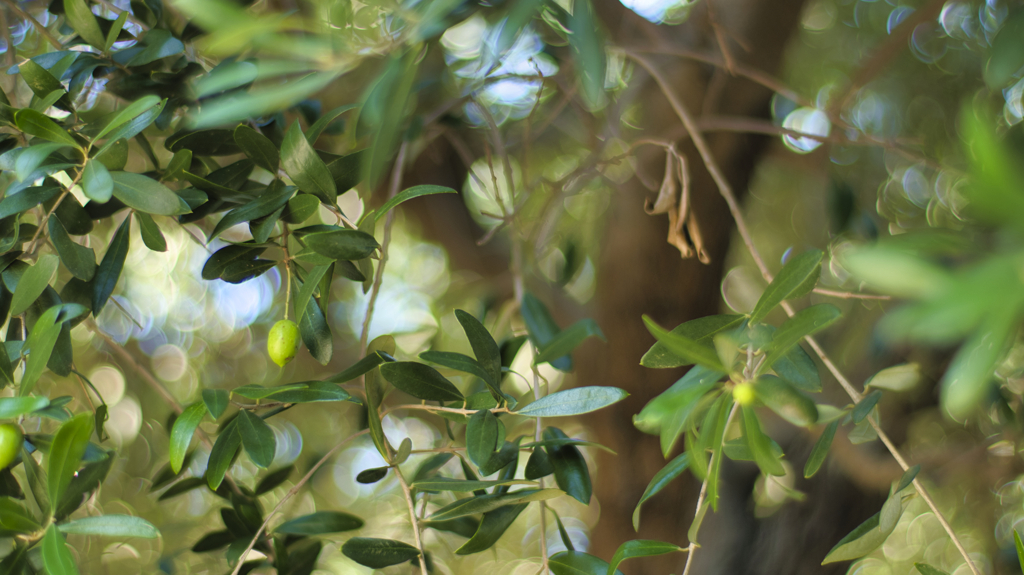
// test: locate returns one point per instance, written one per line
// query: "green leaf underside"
(485, 503)
(319, 523)
(574, 401)
(111, 526)
(462, 485)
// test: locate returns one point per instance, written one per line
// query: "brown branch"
(35, 23)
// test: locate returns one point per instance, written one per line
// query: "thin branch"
(850, 295)
(291, 493)
(411, 505)
(730, 198)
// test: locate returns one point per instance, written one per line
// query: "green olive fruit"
(743, 393)
(10, 444)
(283, 341)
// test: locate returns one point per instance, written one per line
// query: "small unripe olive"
(283, 342)
(10, 444)
(743, 393)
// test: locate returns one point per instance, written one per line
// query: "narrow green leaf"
(31, 159)
(486, 350)
(542, 328)
(131, 128)
(305, 168)
(216, 401)
(859, 542)
(258, 148)
(360, 367)
(820, 450)
(42, 83)
(373, 388)
(661, 479)
(577, 563)
(111, 526)
(378, 553)
(688, 349)
(573, 401)
(257, 438)
(109, 270)
(865, 405)
(300, 208)
(667, 414)
(588, 48)
(319, 523)
(463, 485)
(316, 333)
(40, 125)
(147, 195)
(115, 30)
(14, 517)
(969, 377)
(150, 231)
(760, 445)
(276, 196)
(182, 431)
(640, 548)
(571, 472)
(568, 340)
(321, 124)
(128, 113)
(1020, 548)
(39, 346)
(456, 361)
(490, 502)
(342, 244)
(13, 407)
(797, 271)
(491, 528)
(482, 436)
(27, 199)
(926, 569)
(785, 400)
(804, 323)
(66, 453)
(79, 260)
(224, 450)
(420, 381)
(307, 289)
(716, 443)
(314, 391)
(798, 368)
(408, 194)
(57, 559)
(84, 22)
(901, 377)
(33, 282)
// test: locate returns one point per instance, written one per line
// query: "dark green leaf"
(456, 361)
(39, 345)
(314, 131)
(276, 196)
(571, 472)
(484, 436)
(420, 381)
(257, 438)
(223, 452)
(258, 147)
(300, 208)
(373, 387)
(151, 234)
(319, 523)
(342, 244)
(66, 454)
(87, 480)
(640, 548)
(491, 528)
(573, 401)
(111, 526)
(27, 199)
(568, 339)
(865, 405)
(42, 83)
(273, 480)
(218, 263)
(484, 348)
(542, 328)
(181, 433)
(127, 114)
(408, 194)
(312, 392)
(462, 485)
(760, 445)
(183, 486)
(485, 503)
(79, 260)
(690, 350)
(577, 563)
(14, 517)
(57, 559)
(797, 271)
(799, 369)
(378, 553)
(662, 478)
(110, 267)
(701, 330)
(667, 414)
(216, 401)
(820, 450)
(41, 126)
(308, 287)
(147, 195)
(369, 476)
(305, 168)
(588, 51)
(316, 334)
